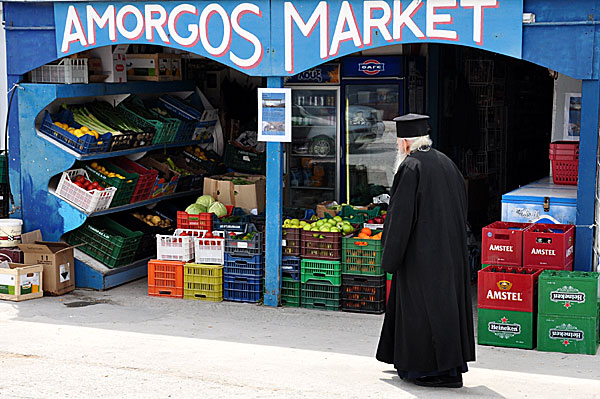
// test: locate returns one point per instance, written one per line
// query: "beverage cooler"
(343, 134)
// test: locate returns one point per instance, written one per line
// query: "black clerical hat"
(412, 125)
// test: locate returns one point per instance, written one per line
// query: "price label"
(242, 245)
(246, 158)
(283, 243)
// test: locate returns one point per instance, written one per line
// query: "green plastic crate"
(329, 270)
(361, 256)
(318, 294)
(358, 215)
(244, 161)
(290, 292)
(3, 169)
(166, 129)
(568, 334)
(568, 293)
(125, 187)
(106, 241)
(506, 328)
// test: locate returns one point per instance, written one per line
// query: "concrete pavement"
(124, 344)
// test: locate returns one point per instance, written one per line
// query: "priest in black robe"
(427, 332)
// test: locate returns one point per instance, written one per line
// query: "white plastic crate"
(177, 247)
(210, 250)
(68, 70)
(89, 201)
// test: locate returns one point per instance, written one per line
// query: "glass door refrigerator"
(312, 158)
(375, 90)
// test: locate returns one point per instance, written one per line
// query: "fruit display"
(81, 181)
(207, 204)
(101, 169)
(333, 225)
(200, 154)
(367, 234)
(78, 132)
(152, 220)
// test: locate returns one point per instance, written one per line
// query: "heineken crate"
(506, 328)
(508, 288)
(318, 294)
(502, 243)
(363, 294)
(330, 271)
(568, 334)
(290, 292)
(203, 282)
(361, 256)
(549, 246)
(569, 293)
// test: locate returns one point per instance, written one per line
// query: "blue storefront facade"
(277, 39)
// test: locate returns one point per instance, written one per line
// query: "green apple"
(337, 218)
(324, 229)
(319, 223)
(302, 223)
(347, 229)
(307, 227)
(334, 230)
(332, 222)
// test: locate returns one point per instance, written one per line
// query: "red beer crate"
(502, 243)
(549, 246)
(508, 288)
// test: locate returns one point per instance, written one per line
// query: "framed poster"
(275, 115)
(572, 116)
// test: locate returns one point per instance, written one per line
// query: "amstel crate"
(147, 178)
(235, 244)
(203, 282)
(321, 245)
(568, 334)
(89, 201)
(125, 187)
(179, 246)
(201, 221)
(210, 250)
(506, 328)
(165, 278)
(318, 294)
(508, 288)
(361, 256)
(330, 271)
(502, 243)
(363, 294)
(247, 267)
(291, 240)
(290, 292)
(549, 246)
(569, 293)
(107, 241)
(290, 267)
(242, 289)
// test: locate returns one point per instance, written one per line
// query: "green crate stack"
(290, 292)
(568, 318)
(321, 284)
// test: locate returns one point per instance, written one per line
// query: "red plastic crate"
(201, 221)
(502, 243)
(549, 246)
(564, 151)
(321, 245)
(145, 182)
(508, 288)
(165, 278)
(565, 172)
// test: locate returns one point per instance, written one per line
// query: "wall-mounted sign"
(322, 74)
(275, 115)
(282, 38)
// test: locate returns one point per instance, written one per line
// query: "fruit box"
(246, 196)
(56, 258)
(21, 282)
(508, 288)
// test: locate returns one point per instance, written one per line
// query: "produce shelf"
(129, 206)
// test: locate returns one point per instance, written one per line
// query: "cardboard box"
(21, 282)
(56, 258)
(114, 62)
(321, 210)
(154, 67)
(223, 189)
(13, 255)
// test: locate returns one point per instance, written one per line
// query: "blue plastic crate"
(290, 267)
(242, 289)
(247, 267)
(85, 144)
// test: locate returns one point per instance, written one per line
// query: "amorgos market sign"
(279, 38)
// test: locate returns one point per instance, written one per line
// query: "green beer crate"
(563, 292)
(568, 334)
(506, 328)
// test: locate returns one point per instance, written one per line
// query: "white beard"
(400, 157)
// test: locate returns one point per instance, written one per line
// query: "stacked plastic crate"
(321, 270)
(291, 244)
(244, 265)
(568, 319)
(364, 284)
(203, 280)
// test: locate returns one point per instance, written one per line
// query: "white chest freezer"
(541, 202)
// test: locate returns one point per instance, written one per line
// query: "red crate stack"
(565, 162)
(501, 243)
(549, 246)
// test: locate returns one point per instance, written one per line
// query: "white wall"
(562, 85)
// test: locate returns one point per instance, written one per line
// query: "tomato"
(80, 178)
(95, 185)
(209, 235)
(78, 184)
(100, 188)
(183, 234)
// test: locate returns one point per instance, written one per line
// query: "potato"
(156, 220)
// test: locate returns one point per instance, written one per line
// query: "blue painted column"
(273, 215)
(586, 190)
(14, 147)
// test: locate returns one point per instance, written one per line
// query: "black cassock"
(428, 325)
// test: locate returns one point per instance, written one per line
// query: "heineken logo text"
(504, 296)
(501, 248)
(576, 335)
(501, 327)
(578, 297)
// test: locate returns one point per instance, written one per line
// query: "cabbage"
(205, 200)
(195, 209)
(218, 209)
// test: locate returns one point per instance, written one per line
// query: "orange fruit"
(363, 236)
(366, 231)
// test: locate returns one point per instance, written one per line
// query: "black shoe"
(442, 381)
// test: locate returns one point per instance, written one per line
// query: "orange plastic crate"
(165, 278)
